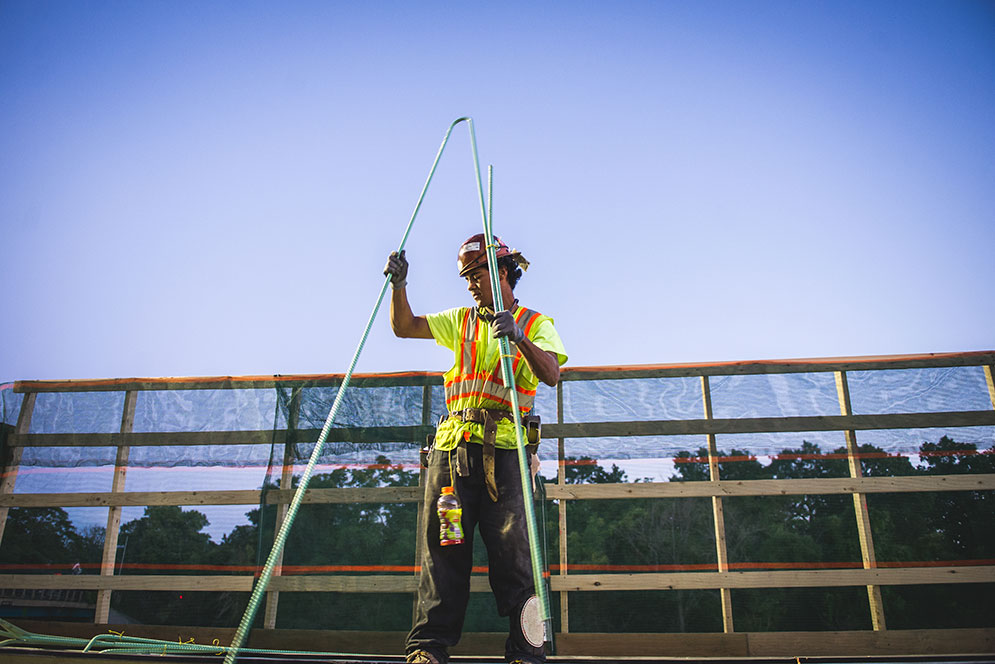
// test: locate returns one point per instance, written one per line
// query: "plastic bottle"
(450, 518)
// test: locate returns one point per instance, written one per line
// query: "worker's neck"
(486, 311)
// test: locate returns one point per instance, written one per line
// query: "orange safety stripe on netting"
(177, 382)
(158, 383)
(869, 359)
(836, 455)
(318, 468)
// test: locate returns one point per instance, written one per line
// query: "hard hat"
(473, 254)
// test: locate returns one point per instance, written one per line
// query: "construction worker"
(475, 452)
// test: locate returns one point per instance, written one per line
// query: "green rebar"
(121, 643)
(114, 642)
(264, 578)
(508, 374)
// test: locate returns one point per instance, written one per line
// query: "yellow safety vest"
(472, 384)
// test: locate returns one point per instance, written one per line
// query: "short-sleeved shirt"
(447, 329)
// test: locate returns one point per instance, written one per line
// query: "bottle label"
(451, 526)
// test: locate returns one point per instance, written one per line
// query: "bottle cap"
(447, 489)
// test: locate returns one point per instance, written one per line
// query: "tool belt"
(489, 418)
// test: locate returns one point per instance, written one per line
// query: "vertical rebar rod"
(509, 381)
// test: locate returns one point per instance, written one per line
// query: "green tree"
(46, 536)
(336, 538)
(167, 540)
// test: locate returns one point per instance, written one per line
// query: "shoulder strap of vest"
(526, 318)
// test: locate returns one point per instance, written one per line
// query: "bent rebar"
(264, 578)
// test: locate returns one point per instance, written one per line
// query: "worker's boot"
(422, 657)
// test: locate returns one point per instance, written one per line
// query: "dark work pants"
(444, 585)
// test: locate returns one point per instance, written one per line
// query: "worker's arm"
(404, 323)
(544, 363)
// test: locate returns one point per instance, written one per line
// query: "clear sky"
(211, 188)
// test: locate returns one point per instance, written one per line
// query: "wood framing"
(114, 511)
(896, 645)
(403, 583)
(867, 554)
(724, 576)
(9, 479)
(286, 481)
(830, 485)
(561, 480)
(718, 513)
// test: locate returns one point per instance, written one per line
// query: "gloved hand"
(397, 268)
(503, 325)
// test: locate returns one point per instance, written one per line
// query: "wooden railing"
(724, 579)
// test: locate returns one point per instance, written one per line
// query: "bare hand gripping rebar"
(264, 578)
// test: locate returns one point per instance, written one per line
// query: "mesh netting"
(264, 436)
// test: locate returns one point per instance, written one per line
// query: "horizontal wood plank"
(381, 495)
(399, 434)
(640, 490)
(405, 583)
(188, 583)
(788, 645)
(771, 424)
(775, 579)
(815, 486)
(416, 378)
(710, 647)
(416, 434)
(799, 365)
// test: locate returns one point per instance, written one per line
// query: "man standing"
(475, 452)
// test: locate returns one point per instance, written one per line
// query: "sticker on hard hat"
(533, 627)
(470, 246)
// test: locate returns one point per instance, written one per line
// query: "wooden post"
(561, 479)
(426, 419)
(10, 477)
(718, 513)
(107, 563)
(990, 379)
(860, 506)
(286, 482)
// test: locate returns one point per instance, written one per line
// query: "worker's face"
(478, 282)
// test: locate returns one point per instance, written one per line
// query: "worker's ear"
(502, 273)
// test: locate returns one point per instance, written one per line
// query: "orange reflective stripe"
(463, 351)
(531, 322)
(486, 380)
(459, 390)
(486, 401)
(473, 346)
(471, 387)
(533, 316)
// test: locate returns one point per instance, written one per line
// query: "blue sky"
(192, 188)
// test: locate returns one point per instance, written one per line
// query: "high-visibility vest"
(470, 384)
